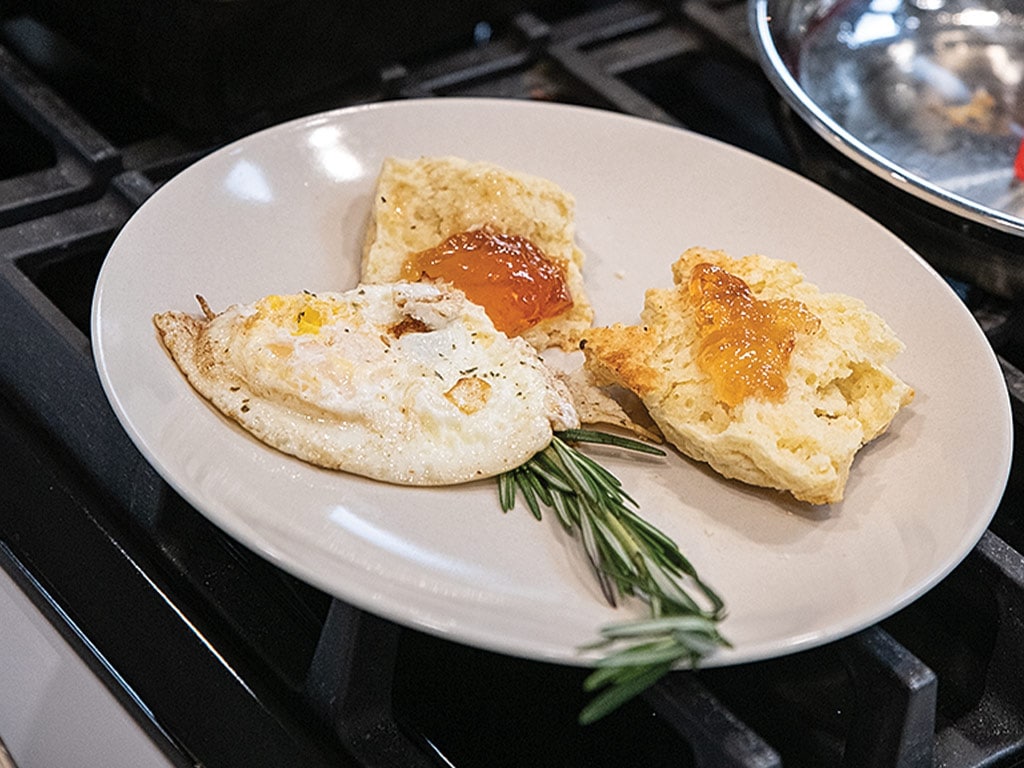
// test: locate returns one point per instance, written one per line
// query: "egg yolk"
(745, 343)
(507, 275)
(309, 321)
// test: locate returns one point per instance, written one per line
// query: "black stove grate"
(226, 660)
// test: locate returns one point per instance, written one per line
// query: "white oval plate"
(285, 210)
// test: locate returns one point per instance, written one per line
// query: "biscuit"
(839, 394)
(419, 203)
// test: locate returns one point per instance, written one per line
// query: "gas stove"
(217, 658)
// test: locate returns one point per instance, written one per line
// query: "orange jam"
(745, 343)
(507, 275)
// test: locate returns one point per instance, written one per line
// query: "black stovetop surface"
(228, 661)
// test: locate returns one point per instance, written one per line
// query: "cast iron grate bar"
(60, 388)
(350, 685)
(993, 729)
(1015, 384)
(725, 22)
(893, 723)
(718, 738)
(499, 56)
(610, 22)
(611, 92)
(48, 112)
(84, 160)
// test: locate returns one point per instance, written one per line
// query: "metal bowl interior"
(928, 94)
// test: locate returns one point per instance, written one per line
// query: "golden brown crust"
(612, 357)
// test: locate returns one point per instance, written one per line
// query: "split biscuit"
(839, 392)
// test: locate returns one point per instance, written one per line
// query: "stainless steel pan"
(927, 94)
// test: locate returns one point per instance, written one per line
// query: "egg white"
(405, 382)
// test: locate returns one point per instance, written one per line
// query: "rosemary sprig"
(629, 557)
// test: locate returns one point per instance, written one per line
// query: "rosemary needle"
(629, 557)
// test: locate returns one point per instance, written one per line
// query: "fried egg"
(408, 383)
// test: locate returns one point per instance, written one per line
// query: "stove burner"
(226, 660)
